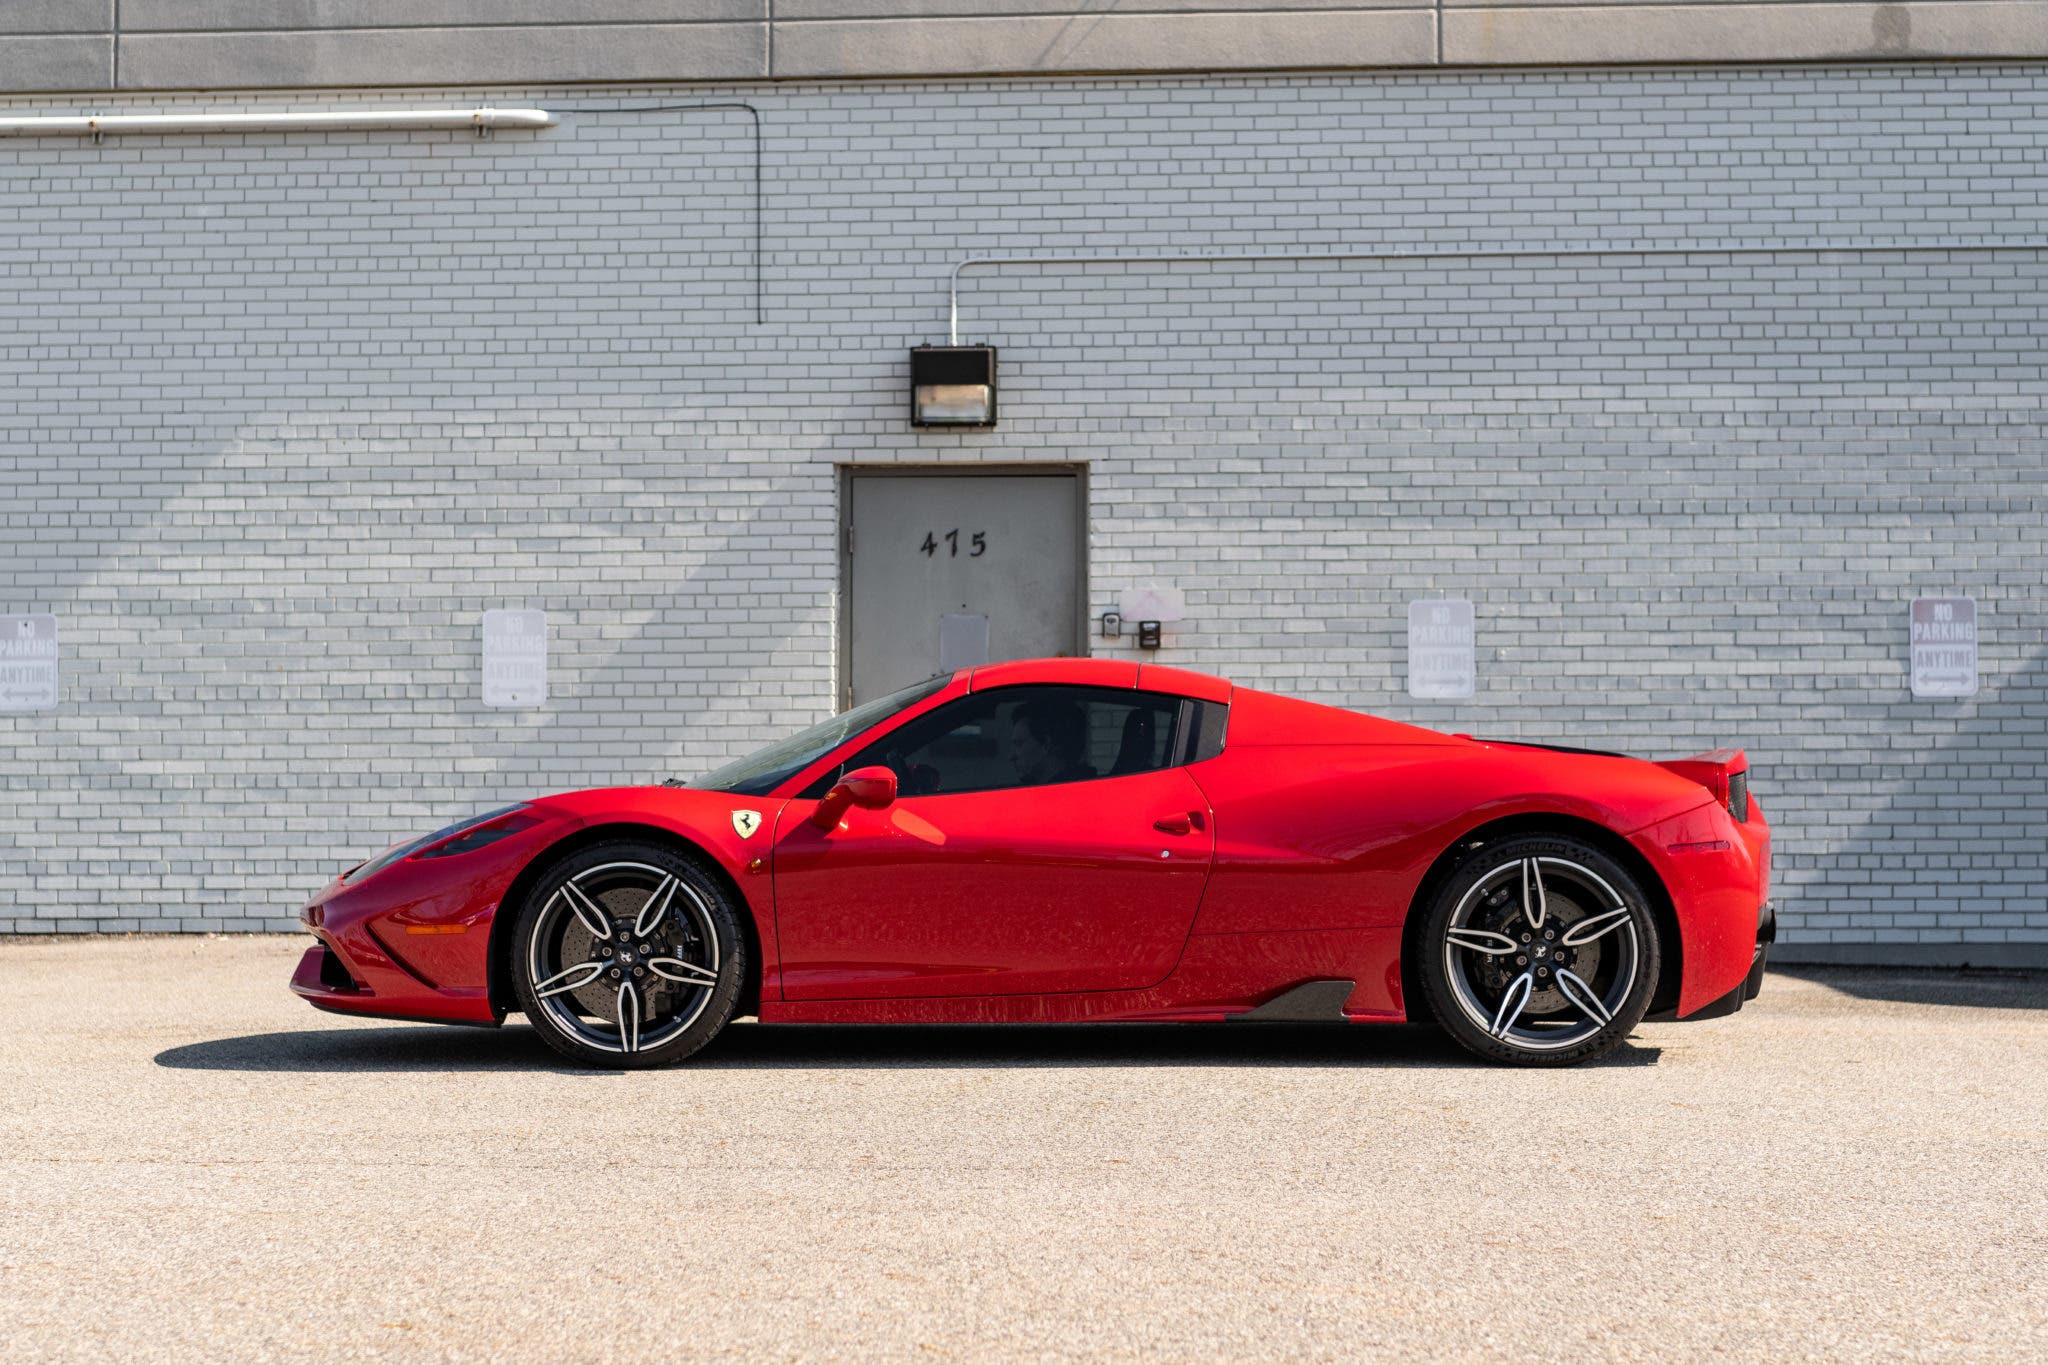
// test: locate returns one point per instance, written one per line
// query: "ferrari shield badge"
(745, 822)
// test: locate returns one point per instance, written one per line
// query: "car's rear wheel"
(1539, 950)
(628, 954)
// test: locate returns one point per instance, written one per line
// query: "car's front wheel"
(628, 954)
(1539, 950)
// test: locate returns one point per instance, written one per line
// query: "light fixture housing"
(953, 386)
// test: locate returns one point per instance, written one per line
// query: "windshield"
(763, 770)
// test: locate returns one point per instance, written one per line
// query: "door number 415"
(978, 544)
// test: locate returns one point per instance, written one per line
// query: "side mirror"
(868, 788)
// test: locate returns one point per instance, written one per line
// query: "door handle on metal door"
(1174, 824)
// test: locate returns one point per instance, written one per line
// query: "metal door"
(947, 570)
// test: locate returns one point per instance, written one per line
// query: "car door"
(1027, 851)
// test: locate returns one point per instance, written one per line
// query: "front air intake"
(334, 974)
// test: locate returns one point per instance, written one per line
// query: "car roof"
(1100, 673)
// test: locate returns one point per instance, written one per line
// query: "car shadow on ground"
(427, 1048)
(1968, 987)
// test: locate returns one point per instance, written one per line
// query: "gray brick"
(283, 415)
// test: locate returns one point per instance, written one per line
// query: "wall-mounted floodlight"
(953, 386)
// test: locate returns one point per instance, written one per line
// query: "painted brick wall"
(280, 416)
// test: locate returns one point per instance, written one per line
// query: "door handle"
(1175, 824)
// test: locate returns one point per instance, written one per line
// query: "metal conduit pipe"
(1479, 255)
(760, 205)
(483, 120)
(281, 121)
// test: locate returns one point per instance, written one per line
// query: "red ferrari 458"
(1064, 840)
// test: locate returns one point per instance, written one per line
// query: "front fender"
(732, 831)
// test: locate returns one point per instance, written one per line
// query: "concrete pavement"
(192, 1163)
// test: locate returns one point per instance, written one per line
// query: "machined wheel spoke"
(1534, 904)
(629, 1017)
(587, 910)
(1580, 994)
(1480, 941)
(1595, 926)
(1511, 1004)
(658, 899)
(568, 979)
(688, 973)
(1569, 932)
(657, 957)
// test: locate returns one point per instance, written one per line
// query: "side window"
(1203, 737)
(1025, 737)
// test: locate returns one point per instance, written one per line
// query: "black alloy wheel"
(627, 955)
(1539, 950)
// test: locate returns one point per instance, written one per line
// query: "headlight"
(464, 836)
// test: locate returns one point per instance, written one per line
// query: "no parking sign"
(1441, 657)
(1943, 637)
(515, 658)
(28, 663)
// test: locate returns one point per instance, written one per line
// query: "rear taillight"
(1738, 795)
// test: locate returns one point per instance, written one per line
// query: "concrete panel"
(56, 16)
(64, 62)
(1639, 4)
(212, 16)
(1176, 42)
(1743, 32)
(799, 10)
(218, 44)
(396, 57)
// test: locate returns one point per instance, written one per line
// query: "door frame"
(1077, 470)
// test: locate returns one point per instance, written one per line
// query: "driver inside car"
(1048, 741)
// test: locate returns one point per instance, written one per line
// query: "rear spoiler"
(1724, 772)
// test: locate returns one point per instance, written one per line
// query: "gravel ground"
(193, 1163)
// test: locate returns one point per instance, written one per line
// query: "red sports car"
(1074, 839)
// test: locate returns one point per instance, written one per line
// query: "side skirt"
(1256, 975)
(1312, 1002)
